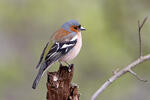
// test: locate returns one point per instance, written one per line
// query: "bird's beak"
(82, 28)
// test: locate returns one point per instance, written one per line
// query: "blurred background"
(110, 42)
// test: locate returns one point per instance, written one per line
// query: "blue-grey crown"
(68, 24)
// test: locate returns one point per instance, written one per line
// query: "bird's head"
(73, 26)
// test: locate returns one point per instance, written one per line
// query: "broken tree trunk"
(59, 84)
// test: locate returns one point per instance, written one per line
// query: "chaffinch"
(64, 45)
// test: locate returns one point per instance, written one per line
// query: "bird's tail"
(39, 75)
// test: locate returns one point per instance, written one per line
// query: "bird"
(64, 46)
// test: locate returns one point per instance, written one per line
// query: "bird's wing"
(53, 51)
(58, 50)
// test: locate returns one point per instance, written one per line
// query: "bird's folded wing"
(58, 50)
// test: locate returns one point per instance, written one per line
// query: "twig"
(137, 76)
(126, 69)
(139, 34)
(119, 74)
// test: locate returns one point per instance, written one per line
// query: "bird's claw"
(69, 67)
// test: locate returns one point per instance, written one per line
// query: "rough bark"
(59, 84)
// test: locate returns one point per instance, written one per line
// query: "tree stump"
(59, 84)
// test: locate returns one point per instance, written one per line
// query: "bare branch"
(138, 77)
(139, 34)
(117, 74)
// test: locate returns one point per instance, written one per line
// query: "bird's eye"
(75, 28)
(79, 26)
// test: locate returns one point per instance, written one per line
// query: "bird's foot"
(67, 63)
(70, 67)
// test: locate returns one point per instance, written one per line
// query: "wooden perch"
(59, 84)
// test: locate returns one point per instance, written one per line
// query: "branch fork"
(118, 73)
